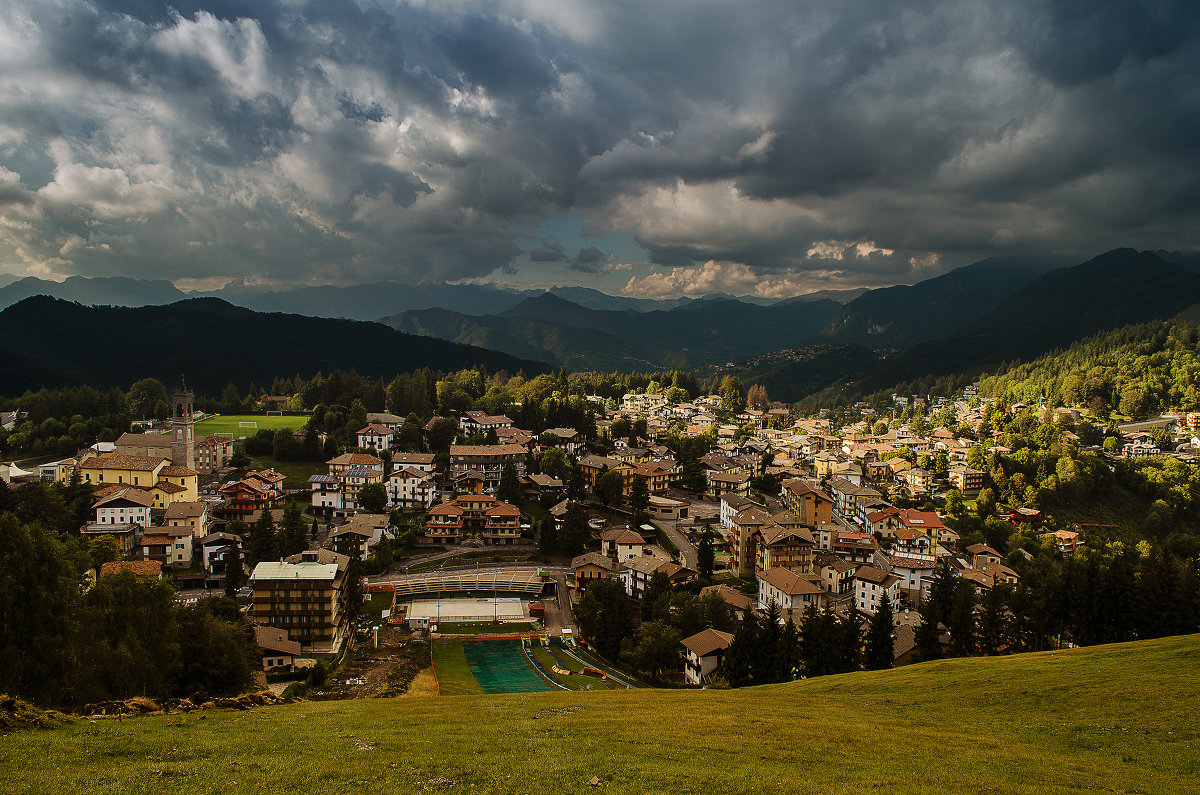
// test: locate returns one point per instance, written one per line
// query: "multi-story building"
(241, 499)
(486, 459)
(870, 584)
(493, 520)
(124, 506)
(410, 489)
(306, 597)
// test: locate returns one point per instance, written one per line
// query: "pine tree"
(264, 543)
(547, 538)
(573, 538)
(510, 486)
(881, 645)
(293, 538)
(639, 499)
(705, 555)
(235, 575)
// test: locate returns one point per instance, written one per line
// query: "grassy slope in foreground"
(1112, 718)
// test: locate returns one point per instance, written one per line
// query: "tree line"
(71, 638)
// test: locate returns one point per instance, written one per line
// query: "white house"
(870, 584)
(703, 653)
(326, 492)
(621, 544)
(791, 591)
(375, 437)
(410, 488)
(124, 507)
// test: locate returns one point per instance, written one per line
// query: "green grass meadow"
(453, 672)
(230, 424)
(1118, 718)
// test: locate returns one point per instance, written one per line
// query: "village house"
(359, 535)
(636, 572)
(621, 544)
(870, 585)
(488, 460)
(278, 653)
(793, 592)
(482, 515)
(837, 575)
(472, 422)
(375, 437)
(409, 488)
(739, 601)
(191, 515)
(141, 568)
(216, 552)
(703, 653)
(124, 506)
(809, 504)
(126, 536)
(172, 547)
(256, 492)
(593, 566)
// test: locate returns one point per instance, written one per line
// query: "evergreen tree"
(880, 652)
(510, 486)
(576, 485)
(705, 555)
(547, 538)
(573, 538)
(606, 616)
(639, 500)
(293, 536)
(994, 618)
(658, 585)
(264, 542)
(738, 664)
(235, 575)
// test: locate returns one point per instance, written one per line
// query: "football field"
(238, 425)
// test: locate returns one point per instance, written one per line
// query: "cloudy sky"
(649, 148)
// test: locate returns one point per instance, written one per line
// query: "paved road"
(687, 550)
(559, 615)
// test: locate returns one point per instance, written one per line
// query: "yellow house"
(182, 476)
(168, 484)
(132, 470)
(825, 464)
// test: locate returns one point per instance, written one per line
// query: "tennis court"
(499, 667)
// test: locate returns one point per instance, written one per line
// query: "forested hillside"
(1136, 370)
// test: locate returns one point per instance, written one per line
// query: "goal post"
(274, 413)
(251, 424)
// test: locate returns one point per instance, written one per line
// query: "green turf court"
(232, 424)
(499, 667)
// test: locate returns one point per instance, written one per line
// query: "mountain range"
(963, 322)
(1118, 288)
(49, 342)
(704, 332)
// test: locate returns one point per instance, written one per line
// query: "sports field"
(500, 666)
(235, 424)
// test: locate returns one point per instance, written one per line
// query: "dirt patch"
(368, 672)
(17, 714)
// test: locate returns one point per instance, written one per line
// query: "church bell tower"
(183, 427)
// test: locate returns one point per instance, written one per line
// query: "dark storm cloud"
(550, 251)
(353, 142)
(588, 260)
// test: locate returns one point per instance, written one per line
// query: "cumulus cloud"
(733, 278)
(806, 143)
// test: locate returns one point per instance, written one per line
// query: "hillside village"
(781, 515)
